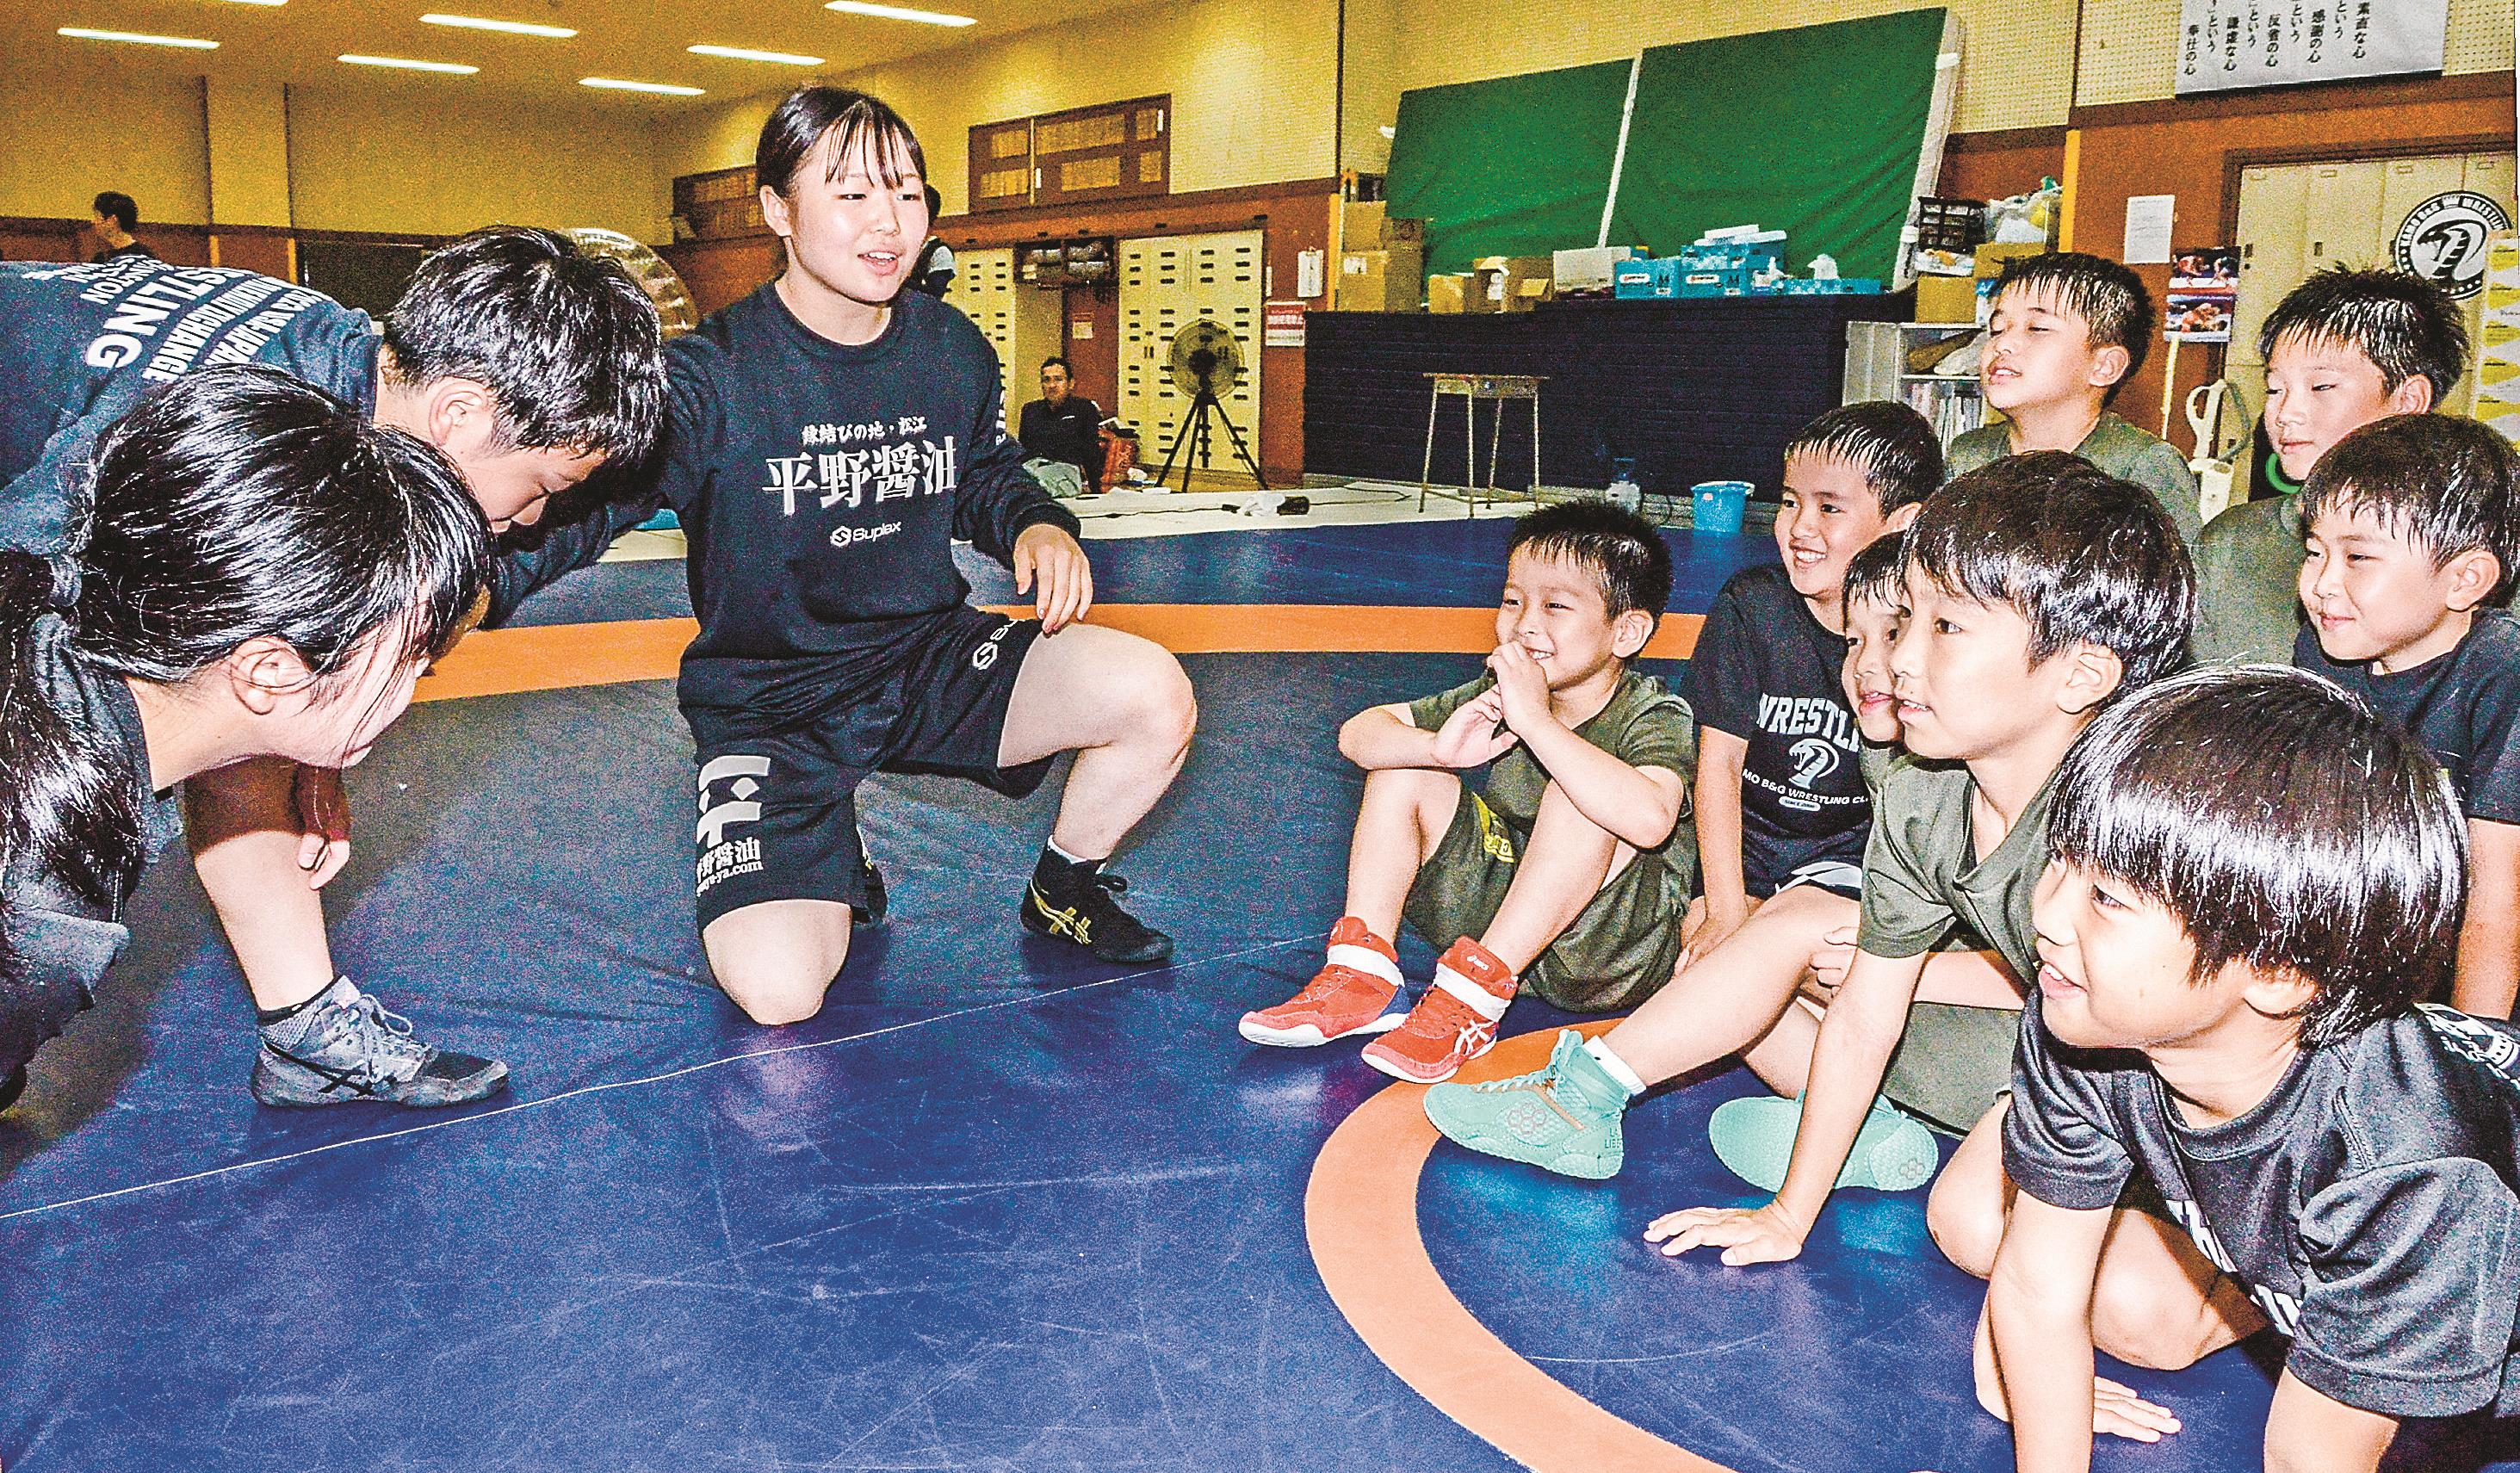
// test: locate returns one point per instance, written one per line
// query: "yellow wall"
(1251, 83)
(68, 133)
(2128, 46)
(390, 158)
(248, 152)
(393, 160)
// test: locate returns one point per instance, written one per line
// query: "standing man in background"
(117, 216)
(1062, 427)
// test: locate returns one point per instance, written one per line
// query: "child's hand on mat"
(324, 824)
(1523, 685)
(1475, 735)
(1046, 554)
(1761, 1235)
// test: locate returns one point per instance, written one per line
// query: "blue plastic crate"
(1644, 279)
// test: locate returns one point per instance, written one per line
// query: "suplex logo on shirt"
(1827, 735)
(722, 858)
(861, 464)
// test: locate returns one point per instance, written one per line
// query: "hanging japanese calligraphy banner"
(2229, 44)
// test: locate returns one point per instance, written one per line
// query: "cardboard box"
(1588, 268)
(1509, 283)
(1448, 294)
(1990, 257)
(1946, 298)
(1367, 227)
(1639, 279)
(1380, 281)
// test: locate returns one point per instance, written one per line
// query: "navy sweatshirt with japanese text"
(822, 485)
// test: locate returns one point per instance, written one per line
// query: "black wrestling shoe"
(344, 1048)
(878, 901)
(1089, 914)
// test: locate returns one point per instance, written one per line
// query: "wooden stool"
(1472, 387)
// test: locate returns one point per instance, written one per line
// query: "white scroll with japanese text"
(2229, 44)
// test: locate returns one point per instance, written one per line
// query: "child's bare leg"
(1731, 999)
(1783, 1058)
(1403, 817)
(1563, 866)
(2156, 1302)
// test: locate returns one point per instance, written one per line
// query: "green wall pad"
(1515, 166)
(1815, 131)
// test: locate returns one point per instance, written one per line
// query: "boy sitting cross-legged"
(2254, 883)
(2414, 540)
(2342, 349)
(1780, 793)
(1570, 865)
(2067, 329)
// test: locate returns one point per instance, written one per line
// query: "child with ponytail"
(260, 573)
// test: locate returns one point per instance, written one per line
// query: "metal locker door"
(2274, 248)
(984, 289)
(2344, 216)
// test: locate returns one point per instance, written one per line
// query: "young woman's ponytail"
(231, 504)
(63, 808)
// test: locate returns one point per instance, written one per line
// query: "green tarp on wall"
(1814, 131)
(1516, 166)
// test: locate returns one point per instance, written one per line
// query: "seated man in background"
(1063, 427)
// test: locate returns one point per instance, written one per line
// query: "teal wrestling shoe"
(1563, 1119)
(1754, 1138)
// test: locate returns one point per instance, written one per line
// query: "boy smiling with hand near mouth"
(1568, 866)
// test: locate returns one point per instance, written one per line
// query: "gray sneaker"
(344, 1048)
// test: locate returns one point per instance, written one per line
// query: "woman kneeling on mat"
(261, 573)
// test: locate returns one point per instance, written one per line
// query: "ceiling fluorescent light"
(189, 43)
(898, 12)
(475, 22)
(616, 84)
(738, 54)
(259, 2)
(406, 64)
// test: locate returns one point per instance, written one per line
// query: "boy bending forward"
(2255, 879)
(1571, 864)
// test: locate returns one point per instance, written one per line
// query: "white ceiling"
(641, 40)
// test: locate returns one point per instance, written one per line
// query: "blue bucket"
(1717, 505)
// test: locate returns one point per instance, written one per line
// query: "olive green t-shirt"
(2248, 584)
(1921, 878)
(1645, 724)
(2116, 447)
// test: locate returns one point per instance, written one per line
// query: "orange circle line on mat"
(1361, 1218)
(555, 656)
(1361, 1205)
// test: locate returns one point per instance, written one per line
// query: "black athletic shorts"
(778, 812)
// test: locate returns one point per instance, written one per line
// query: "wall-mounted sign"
(2444, 240)
(2228, 44)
